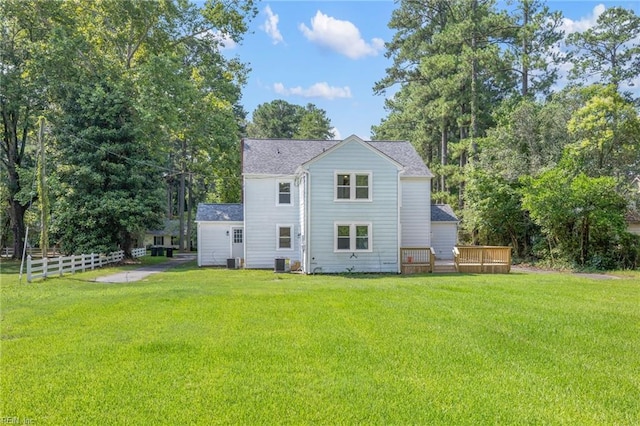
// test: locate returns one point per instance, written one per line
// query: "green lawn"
(217, 346)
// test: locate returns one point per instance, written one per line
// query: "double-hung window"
(352, 237)
(285, 237)
(284, 193)
(354, 186)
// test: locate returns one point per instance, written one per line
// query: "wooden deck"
(482, 259)
(417, 260)
(467, 259)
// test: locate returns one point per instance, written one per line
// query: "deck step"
(444, 268)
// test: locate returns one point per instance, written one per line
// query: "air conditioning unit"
(282, 265)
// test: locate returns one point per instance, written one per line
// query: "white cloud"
(270, 26)
(570, 26)
(340, 36)
(226, 42)
(336, 133)
(317, 90)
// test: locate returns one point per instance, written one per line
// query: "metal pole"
(24, 251)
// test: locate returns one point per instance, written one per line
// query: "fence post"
(29, 268)
(60, 264)
(45, 266)
(82, 261)
(92, 260)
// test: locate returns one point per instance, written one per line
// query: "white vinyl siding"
(444, 238)
(380, 213)
(214, 242)
(415, 212)
(261, 216)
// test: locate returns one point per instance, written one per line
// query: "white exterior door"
(237, 242)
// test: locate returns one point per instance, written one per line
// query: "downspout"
(307, 221)
(399, 222)
(244, 205)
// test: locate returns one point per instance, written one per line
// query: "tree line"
(544, 169)
(142, 116)
(118, 114)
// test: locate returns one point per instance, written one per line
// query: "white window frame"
(278, 228)
(353, 177)
(353, 237)
(235, 232)
(278, 182)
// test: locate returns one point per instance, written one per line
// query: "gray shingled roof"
(219, 213)
(284, 156)
(442, 213)
(171, 227)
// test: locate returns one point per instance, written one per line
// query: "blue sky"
(331, 53)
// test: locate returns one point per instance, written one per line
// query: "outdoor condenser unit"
(282, 265)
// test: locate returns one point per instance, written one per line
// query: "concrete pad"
(144, 272)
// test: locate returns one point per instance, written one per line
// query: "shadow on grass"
(9, 266)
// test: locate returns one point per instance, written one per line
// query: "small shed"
(220, 234)
(444, 230)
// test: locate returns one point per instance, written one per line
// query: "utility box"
(282, 265)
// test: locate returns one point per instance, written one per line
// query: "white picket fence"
(46, 267)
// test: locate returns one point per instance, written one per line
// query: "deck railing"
(414, 260)
(482, 259)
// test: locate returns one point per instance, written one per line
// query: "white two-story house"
(325, 206)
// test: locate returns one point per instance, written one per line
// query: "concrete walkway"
(144, 272)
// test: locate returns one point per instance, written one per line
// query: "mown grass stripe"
(207, 346)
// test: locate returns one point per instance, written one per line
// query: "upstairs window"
(284, 193)
(353, 186)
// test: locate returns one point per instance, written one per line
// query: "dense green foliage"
(109, 191)
(476, 92)
(281, 120)
(140, 105)
(213, 346)
(487, 123)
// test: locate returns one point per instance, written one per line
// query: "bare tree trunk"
(181, 196)
(43, 193)
(443, 154)
(525, 48)
(16, 214)
(474, 85)
(189, 212)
